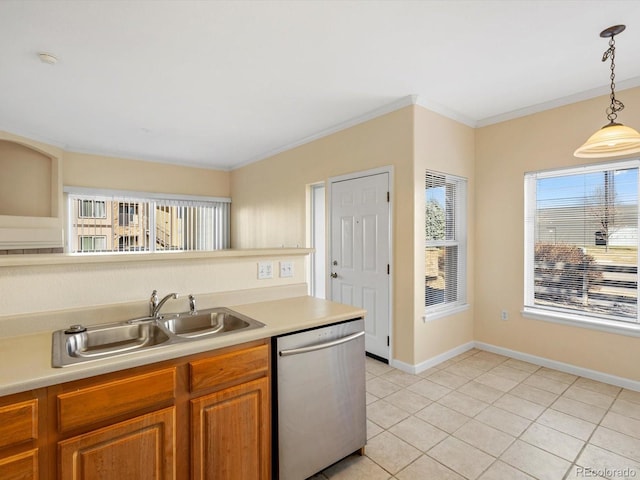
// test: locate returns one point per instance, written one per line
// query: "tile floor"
(488, 417)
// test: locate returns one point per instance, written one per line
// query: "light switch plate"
(286, 269)
(265, 270)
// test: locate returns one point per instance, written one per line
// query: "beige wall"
(84, 170)
(504, 152)
(445, 146)
(269, 198)
(269, 207)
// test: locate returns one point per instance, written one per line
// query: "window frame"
(556, 314)
(93, 202)
(433, 312)
(93, 241)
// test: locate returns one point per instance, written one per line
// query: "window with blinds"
(109, 221)
(445, 242)
(581, 242)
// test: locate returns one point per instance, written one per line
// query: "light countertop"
(25, 361)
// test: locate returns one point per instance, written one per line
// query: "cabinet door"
(231, 433)
(23, 466)
(142, 448)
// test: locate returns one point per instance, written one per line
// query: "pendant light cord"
(616, 105)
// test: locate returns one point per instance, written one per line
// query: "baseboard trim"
(432, 362)
(561, 366)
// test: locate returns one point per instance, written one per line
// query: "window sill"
(609, 326)
(80, 259)
(445, 312)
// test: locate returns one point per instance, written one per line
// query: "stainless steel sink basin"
(104, 341)
(215, 321)
(79, 344)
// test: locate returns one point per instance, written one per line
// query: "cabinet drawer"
(229, 367)
(18, 423)
(23, 466)
(114, 398)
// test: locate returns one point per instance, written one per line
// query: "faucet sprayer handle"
(192, 305)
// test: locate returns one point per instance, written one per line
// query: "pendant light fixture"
(614, 139)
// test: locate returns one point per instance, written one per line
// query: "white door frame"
(352, 176)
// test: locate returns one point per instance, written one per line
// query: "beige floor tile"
(497, 382)
(373, 429)
(546, 383)
(495, 357)
(447, 379)
(557, 375)
(408, 400)
(448, 363)
(425, 468)
(390, 452)
(504, 370)
(461, 457)
(463, 403)
(627, 408)
(617, 442)
(381, 388)
(484, 437)
(370, 398)
(519, 406)
(318, 476)
(597, 459)
(369, 376)
(385, 414)
(442, 417)
(429, 389)
(418, 433)
(464, 370)
(568, 424)
(356, 467)
(588, 396)
(536, 395)
(481, 363)
(520, 365)
(553, 441)
(400, 378)
(429, 371)
(620, 423)
(376, 367)
(578, 409)
(480, 391)
(501, 471)
(599, 387)
(534, 461)
(504, 421)
(630, 396)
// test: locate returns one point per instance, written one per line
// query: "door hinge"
(387, 340)
(388, 269)
(388, 197)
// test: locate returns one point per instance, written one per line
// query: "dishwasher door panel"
(321, 398)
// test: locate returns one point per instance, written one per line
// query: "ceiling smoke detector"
(47, 58)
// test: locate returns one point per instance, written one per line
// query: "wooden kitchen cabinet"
(142, 448)
(203, 416)
(22, 436)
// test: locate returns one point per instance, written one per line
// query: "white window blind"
(139, 222)
(581, 242)
(445, 241)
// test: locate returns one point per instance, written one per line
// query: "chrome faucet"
(192, 305)
(155, 305)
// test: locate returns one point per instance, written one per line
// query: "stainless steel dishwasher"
(320, 408)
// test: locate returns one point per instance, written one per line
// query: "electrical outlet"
(286, 269)
(265, 270)
(504, 315)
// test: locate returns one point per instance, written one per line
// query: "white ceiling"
(224, 83)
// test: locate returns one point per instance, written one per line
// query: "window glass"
(582, 241)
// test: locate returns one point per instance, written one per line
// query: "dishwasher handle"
(313, 348)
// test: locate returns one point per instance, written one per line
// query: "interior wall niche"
(25, 181)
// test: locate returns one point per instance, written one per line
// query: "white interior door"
(360, 251)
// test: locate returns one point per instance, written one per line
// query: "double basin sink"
(81, 344)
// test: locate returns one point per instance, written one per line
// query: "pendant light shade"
(614, 139)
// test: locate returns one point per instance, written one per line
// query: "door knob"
(335, 262)
(334, 275)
